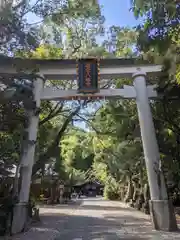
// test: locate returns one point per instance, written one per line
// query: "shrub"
(111, 190)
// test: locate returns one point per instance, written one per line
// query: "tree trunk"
(129, 193)
(146, 199)
(140, 196)
(135, 195)
(54, 147)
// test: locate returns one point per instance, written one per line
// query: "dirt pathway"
(94, 219)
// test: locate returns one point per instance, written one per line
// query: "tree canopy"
(80, 140)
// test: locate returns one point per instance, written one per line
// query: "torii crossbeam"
(66, 69)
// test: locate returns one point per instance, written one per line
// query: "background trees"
(86, 139)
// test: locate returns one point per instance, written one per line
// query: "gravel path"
(94, 219)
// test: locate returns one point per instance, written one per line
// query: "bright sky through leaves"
(117, 12)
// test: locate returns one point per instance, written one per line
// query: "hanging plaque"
(88, 76)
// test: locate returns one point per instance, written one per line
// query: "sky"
(117, 12)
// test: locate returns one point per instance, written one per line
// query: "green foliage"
(12, 120)
(162, 16)
(77, 154)
(76, 176)
(100, 170)
(111, 189)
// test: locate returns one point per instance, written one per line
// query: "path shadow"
(72, 227)
(77, 223)
(88, 228)
(106, 208)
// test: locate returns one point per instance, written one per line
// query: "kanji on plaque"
(88, 75)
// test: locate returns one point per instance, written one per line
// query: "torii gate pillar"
(27, 161)
(161, 208)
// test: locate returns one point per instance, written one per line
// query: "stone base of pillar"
(162, 215)
(20, 215)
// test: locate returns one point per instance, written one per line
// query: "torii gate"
(161, 208)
